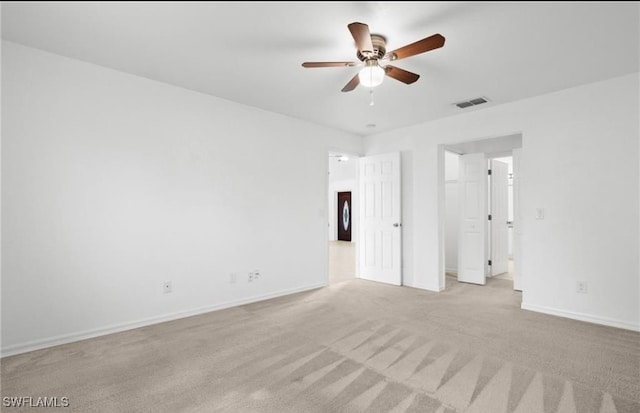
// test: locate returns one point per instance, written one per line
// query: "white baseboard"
(582, 317)
(451, 270)
(116, 328)
(428, 287)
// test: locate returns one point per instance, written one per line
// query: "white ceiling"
(251, 52)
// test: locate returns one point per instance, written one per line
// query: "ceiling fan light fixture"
(371, 75)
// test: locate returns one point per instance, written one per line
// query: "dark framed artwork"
(344, 216)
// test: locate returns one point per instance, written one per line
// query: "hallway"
(342, 261)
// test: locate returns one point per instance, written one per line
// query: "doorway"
(343, 217)
(502, 218)
(478, 200)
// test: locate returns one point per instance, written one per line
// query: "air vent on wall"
(472, 102)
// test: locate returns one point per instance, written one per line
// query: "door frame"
(441, 228)
(331, 196)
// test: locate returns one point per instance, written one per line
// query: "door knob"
(397, 225)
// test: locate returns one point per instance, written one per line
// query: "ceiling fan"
(372, 54)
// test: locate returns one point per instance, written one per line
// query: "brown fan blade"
(429, 43)
(401, 74)
(329, 64)
(361, 35)
(353, 83)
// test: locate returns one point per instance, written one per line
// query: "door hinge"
(489, 172)
(489, 217)
(489, 262)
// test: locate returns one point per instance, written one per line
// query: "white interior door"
(380, 228)
(472, 183)
(499, 217)
(517, 220)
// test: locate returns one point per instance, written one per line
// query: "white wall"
(113, 184)
(451, 164)
(343, 177)
(580, 163)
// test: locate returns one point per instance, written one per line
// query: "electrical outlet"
(582, 287)
(254, 275)
(539, 213)
(166, 287)
(233, 278)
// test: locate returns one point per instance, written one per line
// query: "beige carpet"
(509, 274)
(356, 346)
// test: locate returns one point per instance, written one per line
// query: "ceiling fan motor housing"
(379, 49)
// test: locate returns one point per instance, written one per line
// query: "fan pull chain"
(371, 102)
